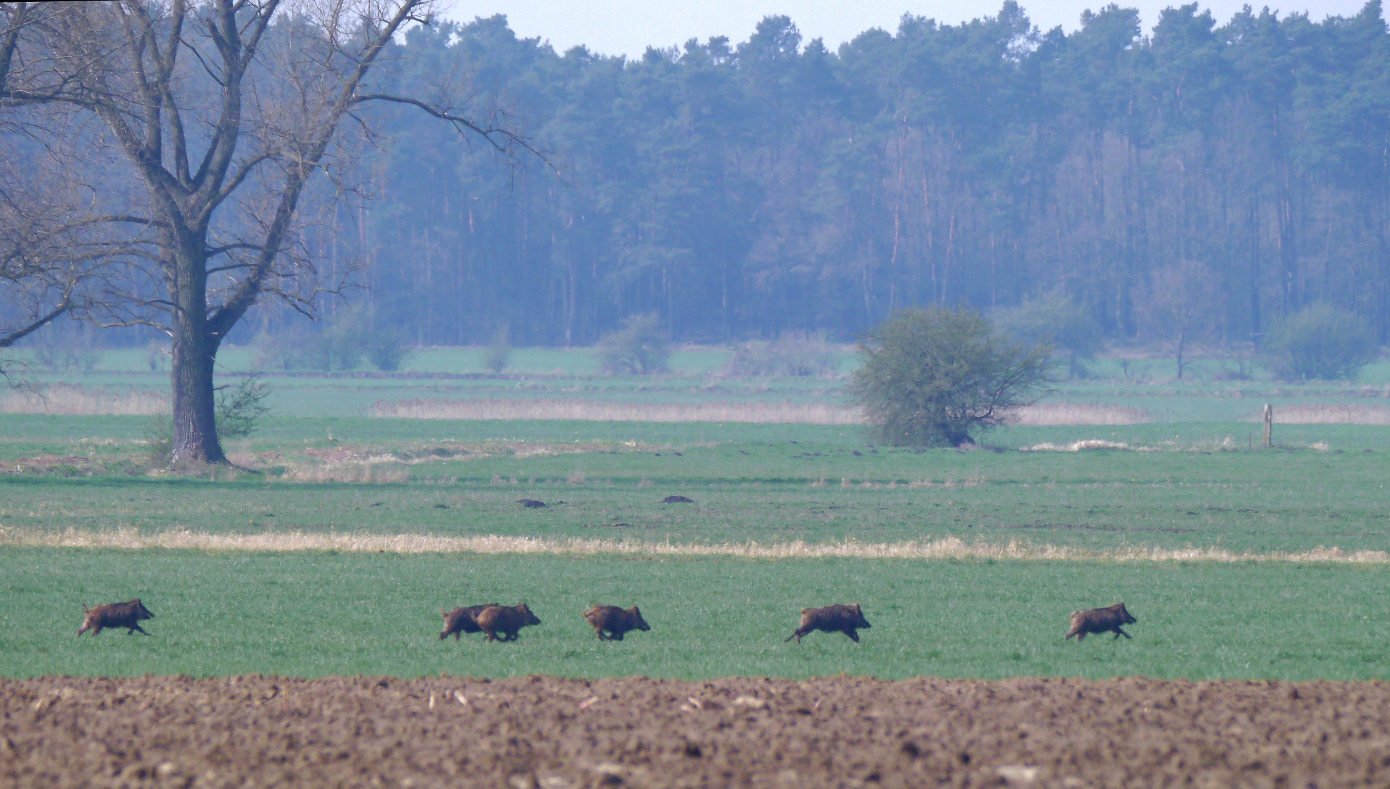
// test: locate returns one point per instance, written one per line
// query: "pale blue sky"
(614, 27)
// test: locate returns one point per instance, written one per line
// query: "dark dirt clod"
(363, 731)
(530, 504)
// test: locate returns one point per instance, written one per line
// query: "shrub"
(66, 346)
(931, 377)
(1321, 343)
(794, 353)
(639, 348)
(1053, 318)
(240, 407)
(385, 347)
(339, 345)
(499, 353)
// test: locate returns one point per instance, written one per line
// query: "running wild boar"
(504, 619)
(831, 619)
(113, 615)
(462, 620)
(615, 620)
(1100, 620)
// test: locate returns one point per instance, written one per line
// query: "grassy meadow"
(1190, 475)
(321, 613)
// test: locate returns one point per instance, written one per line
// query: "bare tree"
(219, 114)
(1179, 307)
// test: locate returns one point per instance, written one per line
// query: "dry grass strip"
(945, 548)
(1079, 414)
(1330, 414)
(755, 412)
(68, 400)
(597, 411)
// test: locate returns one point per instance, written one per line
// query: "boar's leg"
(1080, 636)
(853, 636)
(133, 628)
(615, 635)
(1119, 632)
(797, 635)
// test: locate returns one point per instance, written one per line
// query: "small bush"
(794, 353)
(499, 353)
(66, 346)
(159, 438)
(1055, 319)
(339, 345)
(240, 407)
(639, 348)
(1320, 343)
(385, 347)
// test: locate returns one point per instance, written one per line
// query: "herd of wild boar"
(503, 622)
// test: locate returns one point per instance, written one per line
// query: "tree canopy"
(748, 189)
(934, 377)
(743, 190)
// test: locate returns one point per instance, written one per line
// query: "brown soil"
(550, 733)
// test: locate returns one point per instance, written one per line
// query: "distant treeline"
(771, 186)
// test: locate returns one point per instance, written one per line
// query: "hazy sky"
(615, 27)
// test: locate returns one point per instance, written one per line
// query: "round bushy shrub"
(1321, 343)
(931, 377)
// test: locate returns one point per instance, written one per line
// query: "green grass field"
(1194, 478)
(313, 614)
(749, 482)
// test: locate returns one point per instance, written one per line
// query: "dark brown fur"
(677, 500)
(1100, 620)
(462, 620)
(831, 619)
(113, 615)
(504, 619)
(615, 620)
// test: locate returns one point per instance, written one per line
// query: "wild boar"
(831, 619)
(677, 500)
(462, 620)
(504, 619)
(113, 615)
(1100, 620)
(615, 620)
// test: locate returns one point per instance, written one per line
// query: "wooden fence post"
(1269, 425)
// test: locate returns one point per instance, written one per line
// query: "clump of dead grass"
(944, 548)
(68, 400)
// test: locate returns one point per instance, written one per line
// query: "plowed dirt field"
(552, 733)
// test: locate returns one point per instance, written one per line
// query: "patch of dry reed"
(1050, 414)
(945, 548)
(68, 400)
(596, 411)
(755, 412)
(1330, 414)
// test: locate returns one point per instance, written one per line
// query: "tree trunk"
(194, 349)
